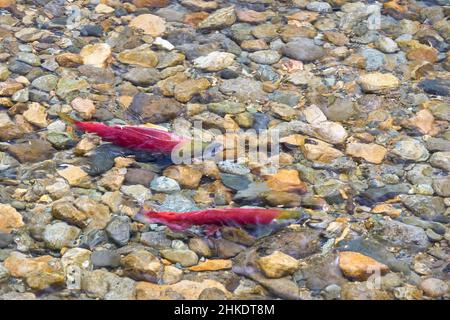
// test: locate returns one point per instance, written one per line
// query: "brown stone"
(371, 152)
(254, 45)
(149, 24)
(151, 3)
(141, 56)
(200, 5)
(142, 264)
(167, 86)
(251, 16)
(10, 219)
(286, 180)
(8, 129)
(97, 214)
(36, 114)
(69, 60)
(74, 175)
(212, 265)
(184, 91)
(423, 121)
(277, 265)
(423, 53)
(9, 87)
(67, 212)
(194, 18)
(185, 175)
(189, 290)
(154, 109)
(32, 151)
(336, 38)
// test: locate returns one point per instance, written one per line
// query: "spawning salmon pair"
(154, 140)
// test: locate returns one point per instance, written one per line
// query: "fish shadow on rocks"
(102, 159)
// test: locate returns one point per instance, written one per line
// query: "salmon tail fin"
(72, 123)
(66, 118)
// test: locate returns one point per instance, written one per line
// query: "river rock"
(378, 82)
(154, 109)
(303, 49)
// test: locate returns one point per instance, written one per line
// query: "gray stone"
(5, 240)
(157, 240)
(303, 49)
(105, 258)
(60, 235)
(400, 234)
(265, 57)
(235, 182)
(441, 160)
(386, 45)
(410, 149)
(119, 230)
(319, 6)
(426, 207)
(178, 203)
(243, 89)
(143, 76)
(29, 58)
(164, 185)
(434, 288)
(45, 83)
(231, 167)
(4, 273)
(375, 59)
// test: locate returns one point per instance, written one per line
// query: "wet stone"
(119, 230)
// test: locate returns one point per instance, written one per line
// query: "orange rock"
(150, 24)
(151, 3)
(213, 265)
(387, 209)
(20, 266)
(252, 16)
(395, 6)
(190, 290)
(286, 180)
(69, 60)
(194, 18)
(10, 219)
(359, 267)
(7, 3)
(277, 264)
(336, 38)
(186, 176)
(423, 121)
(9, 87)
(371, 152)
(304, 16)
(423, 53)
